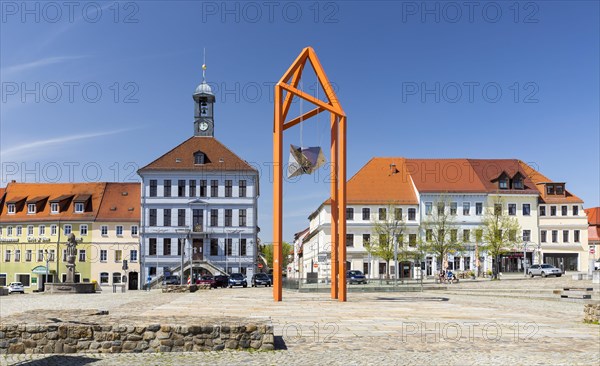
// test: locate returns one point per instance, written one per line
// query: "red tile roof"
(21, 191)
(488, 170)
(121, 202)
(593, 215)
(444, 175)
(181, 158)
(538, 178)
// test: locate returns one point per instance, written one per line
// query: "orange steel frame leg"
(289, 83)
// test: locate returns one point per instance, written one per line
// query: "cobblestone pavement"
(469, 323)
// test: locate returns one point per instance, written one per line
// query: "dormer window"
(549, 189)
(54, 208)
(503, 183)
(518, 183)
(11, 208)
(31, 208)
(559, 190)
(78, 207)
(199, 158)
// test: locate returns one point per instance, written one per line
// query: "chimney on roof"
(393, 169)
(124, 193)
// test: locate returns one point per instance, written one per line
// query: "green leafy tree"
(388, 230)
(267, 252)
(499, 233)
(439, 233)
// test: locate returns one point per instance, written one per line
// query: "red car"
(207, 280)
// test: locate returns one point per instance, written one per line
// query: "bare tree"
(439, 232)
(387, 236)
(499, 233)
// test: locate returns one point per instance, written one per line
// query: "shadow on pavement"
(279, 343)
(57, 360)
(411, 299)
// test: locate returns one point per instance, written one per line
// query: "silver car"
(544, 270)
(16, 287)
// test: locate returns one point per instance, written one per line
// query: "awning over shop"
(41, 270)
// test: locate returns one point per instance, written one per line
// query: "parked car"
(260, 279)
(221, 281)
(544, 270)
(597, 265)
(207, 280)
(237, 279)
(354, 276)
(16, 287)
(171, 280)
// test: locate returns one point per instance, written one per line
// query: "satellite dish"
(304, 160)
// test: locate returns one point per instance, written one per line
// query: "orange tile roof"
(121, 202)
(444, 175)
(538, 178)
(488, 170)
(593, 234)
(593, 215)
(181, 158)
(30, 190)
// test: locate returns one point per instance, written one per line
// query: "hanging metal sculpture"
(304, 160)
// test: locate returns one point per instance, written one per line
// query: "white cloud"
(28, 66)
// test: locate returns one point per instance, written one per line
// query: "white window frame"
(103, 255)
(11, 209)
(134, 230)
(81, 254)
(79, 207)
(17, 279)
(104, 230)
(19, 230)
(65, 229)
(468, 208)
(9, 231)
(428, 208)
(29, 230)
(54, 208)
(31, 208)
(17, 255)
(40, 255)
(454, 207)
(117, 229)
(42, 230)
(7, 255)
(28, 255)
(523, 211)
(83, 229)
(482, 207)
(107, 278)
(508, 209)
(53, 230)
(119, 258)
(133, 255)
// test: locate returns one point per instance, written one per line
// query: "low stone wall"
(591, 313)
(101, 337)
(179, 288)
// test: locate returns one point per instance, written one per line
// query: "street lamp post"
(47, 258)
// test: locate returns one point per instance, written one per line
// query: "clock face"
(203, 126)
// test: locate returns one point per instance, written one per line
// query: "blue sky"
(95, 91)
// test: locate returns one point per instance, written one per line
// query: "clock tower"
(204, 101)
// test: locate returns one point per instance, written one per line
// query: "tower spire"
(204, 67)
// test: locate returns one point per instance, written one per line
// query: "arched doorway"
(133, 283)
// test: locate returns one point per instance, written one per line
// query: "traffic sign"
(592, 250)
(316, 265)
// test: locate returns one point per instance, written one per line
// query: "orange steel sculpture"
(289, 83)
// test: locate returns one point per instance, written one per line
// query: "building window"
(152, 221)
(54, 208)
(167, 188)
(104, 230)
(134, 230)
(214, 217)
(454, 235)
(512, 209)
(192, 188)
(453, 208)
(7, 255)
(555, 236)
(526, 209)
(412, 214)
(466, 235)
(518, 183)
(575, 210)
(152, 246)
(478, 208)
(504, 183)
(180, 243)
(542, 210)
(214, 188)
(166, 246)
(52, 255)
(479, 235)
(103, 255)
(133, 255)
(398, 214)
(78, 207)
(543, 234)
(53, 230)
(428, 235)
(17, 255)
(199, 158)
(563, 210)
(497, 209)
(576, 236)
(67, 229)
(552, 210)
(2, 279)
(512, 235)
(167, 217)
(181, 217)
(228, 214)
(412, 240)
(466, 208)
(549, 189)
(242, 217)
(103, 278)
(382, 214)
(24, 279)
(83, 230)
(229, 246)
(40, 255)
(366, 239)
(181, 188)
(11, 208)
(565, 236)
(526, 235)
(349, 240)
(31, 208)
(152, 271)
(202, 188)
(42, 230)
(153, 188)
(441, 207)
(214, 247)
(118, 255)
(19, 230)
(119, 230)
(82, 255)
(559, 189)
(243, 250)
(366, 214)
(30, 230)
(349, 213)
(428, 208)
(242, 188)
(116, 277)
(228, 188)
